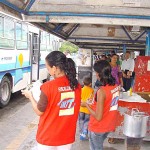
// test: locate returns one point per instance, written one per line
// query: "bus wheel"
(5, 92)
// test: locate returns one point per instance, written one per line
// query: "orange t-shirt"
(57, 126)
(86, 92)
(108, 121)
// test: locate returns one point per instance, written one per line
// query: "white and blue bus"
(23, 48)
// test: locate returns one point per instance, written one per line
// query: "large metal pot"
(135, 125)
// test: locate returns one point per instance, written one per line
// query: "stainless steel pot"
(135, 125)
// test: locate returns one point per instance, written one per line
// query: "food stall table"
(125, 105)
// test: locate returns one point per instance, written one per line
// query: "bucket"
(135, 125)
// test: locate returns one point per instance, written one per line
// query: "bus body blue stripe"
(13, 71)
(12, 66)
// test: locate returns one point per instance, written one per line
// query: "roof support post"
(117, 40)
(47, 19)
(59, 27)
(116, 50)
(12, 6)
(124, 48)
(73, 29)
(124, 29)
(139, 36)
(42, 13)
(147, 51)
(29, 5)
(51, 31)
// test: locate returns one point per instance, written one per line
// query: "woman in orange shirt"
(104, 108)
(59, 104)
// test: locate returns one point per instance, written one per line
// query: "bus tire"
(5, 91)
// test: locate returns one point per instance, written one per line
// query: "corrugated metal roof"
(99, 25)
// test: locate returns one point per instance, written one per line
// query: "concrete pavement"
(18, 130)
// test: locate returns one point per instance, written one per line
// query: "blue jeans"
(96, 140)
(83, 122)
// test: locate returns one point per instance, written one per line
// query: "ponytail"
(57, 58)
(103, 69)
(70, 71)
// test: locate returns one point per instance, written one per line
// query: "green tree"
(68, 46)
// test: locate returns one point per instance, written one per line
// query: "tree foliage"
(68, 46)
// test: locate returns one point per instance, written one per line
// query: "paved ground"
(18, 124)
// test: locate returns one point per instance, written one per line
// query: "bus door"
(34, 56)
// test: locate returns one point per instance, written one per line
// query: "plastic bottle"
(131, 91)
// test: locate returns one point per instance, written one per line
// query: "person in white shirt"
(127, 68)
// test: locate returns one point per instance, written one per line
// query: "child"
(87, 93)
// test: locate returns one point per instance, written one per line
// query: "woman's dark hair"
(103, 69)
(114, 55)
(128, 52)
(58, 59)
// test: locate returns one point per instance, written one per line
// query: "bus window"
(22, 45)
(9, 29)
(48, 43)
(21, 36)
(24, 32)
(52, 42)
(1, 26)
(43, 41)
(18, 31)
(48, 39)
(6, 43)
(7, 33)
